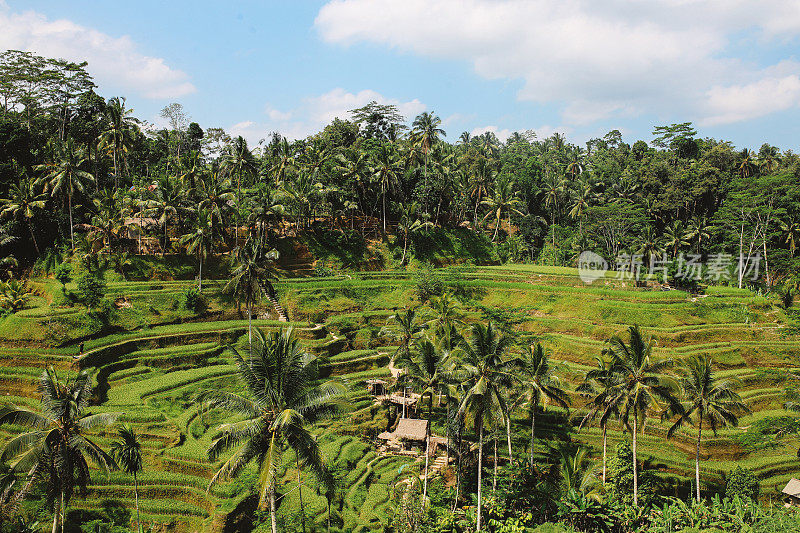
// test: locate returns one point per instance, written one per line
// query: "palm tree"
(675, 236)
(641, 384)
(425, 130)
(385, 171)
(447, 313)
(169, 200)
(117, 137)
(200, 241)
(110, 216)
(405, 327)
(791, 233)
(239, 161)
(65, 176)
(649, 245)
(503, 199)
(213, 192)
(747, 166)
(283, 395)
(552, 194)
(428, 372)
(600, 381)
(23, 205)
(486, 373)
(581, 201)
(56, 447)
(250, 280)
(540, 384)
(698, 230)
(707, 399)
(128, 454)
(409, 224)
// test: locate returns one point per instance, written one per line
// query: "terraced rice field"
(151, 368)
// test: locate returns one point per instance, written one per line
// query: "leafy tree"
(91, 288)
(600, 382)
(742, 482)
(540, 385)
(409, 224)
(283, 395)
(485, 372)
(128, 453)
(708, 399)
(64, 176)
(642, 383)
(23, 205)
(63, 274)
(56, 447)
(200, 241)
(117, 139)
(425, 130)
(503, 199)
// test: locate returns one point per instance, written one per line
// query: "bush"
(742, 482)
(429, 283)
(322, 271)
(195, 300)
(91, 288)
(64, 275)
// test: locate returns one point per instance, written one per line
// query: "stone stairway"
(278, 308)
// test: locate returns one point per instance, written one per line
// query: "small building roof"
(376, 381)
(411, 429)
(143, 221)
(792, 488)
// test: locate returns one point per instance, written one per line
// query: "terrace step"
(278, 308)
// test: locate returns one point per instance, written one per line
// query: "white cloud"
(314, 113)
(113, 61)
(594, 59)
(501, 134)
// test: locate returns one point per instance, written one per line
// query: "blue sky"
(577, 66)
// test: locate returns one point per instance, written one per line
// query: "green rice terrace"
(156, 355)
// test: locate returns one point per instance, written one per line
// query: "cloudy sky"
(581, 67)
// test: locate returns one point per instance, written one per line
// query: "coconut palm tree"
(128, 453)
(504, 199)
(200, 241)
(385, 170)
(23, 204)
(642, 384)
(486, 373)
(168, 200)
(239, 162)
(706, 399)
(64, 176)
(600, 382)
(582, 200)
(791, 233)
(251, 280)
(425, 131)
(698, 230)
(118, 135)
(409, 223)
(55, 448)
(540, 384)
(404, 327)
(446, 313)
(649, 245)
(675, 236)
(282, 396)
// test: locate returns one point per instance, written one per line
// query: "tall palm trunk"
(425, 482)
(697, 458)
(384, 212)
(272, 516)
(605, 431)
(56, 511)
(300, 494)
(635, 467)
(200, 274)
(250, 331)
(136, 494)
(508, 436)
(35, 244)
(71, 230)
(480, 475)
(533, 430)
(494, 475)
(63, 511)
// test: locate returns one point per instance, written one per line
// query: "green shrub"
(195, 300)
(429, 283)
(91, 288)
(742, 482)
(63, 274)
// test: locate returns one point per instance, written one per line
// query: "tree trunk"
(605, 431)
(300, 494)
(494, 477)
(496, 228)
(508, 435)
(166, 238)
(136, 494)
(533, 430)
(425, 482)
(635, 469)
(272, 516)
(480, 474)
(384, 212)
(63, 511)
(697, 459)
(405, 246)
(71, 232)
(200, 274)
(56, 510)
(35, 244)
(250, 332)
